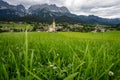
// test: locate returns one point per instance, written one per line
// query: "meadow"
(16, 25)
(60, 56)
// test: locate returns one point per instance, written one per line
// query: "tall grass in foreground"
(58, 56)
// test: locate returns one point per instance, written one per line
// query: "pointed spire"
(53, 24)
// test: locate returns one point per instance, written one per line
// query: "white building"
(52, 27)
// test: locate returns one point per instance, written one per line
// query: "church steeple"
(53, 24)
(52, 28)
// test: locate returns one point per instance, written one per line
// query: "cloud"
(102, 8)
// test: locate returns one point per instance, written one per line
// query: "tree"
(118, 26)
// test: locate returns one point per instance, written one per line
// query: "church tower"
(53, 24)
(52, 28)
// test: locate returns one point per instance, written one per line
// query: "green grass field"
(17, 26)
(60, 56)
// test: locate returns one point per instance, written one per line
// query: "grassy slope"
(55, 56)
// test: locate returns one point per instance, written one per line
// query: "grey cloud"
(28, 3)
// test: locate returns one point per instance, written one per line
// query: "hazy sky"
(102, 8)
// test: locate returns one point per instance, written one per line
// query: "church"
(52, 27)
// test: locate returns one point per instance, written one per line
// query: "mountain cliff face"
(4, 4)
(7, 10)
(45, 12)
(48, 8)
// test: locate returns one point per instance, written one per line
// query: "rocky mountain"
(4, 5)
(45, 13)
(7, 10)
(48, 8)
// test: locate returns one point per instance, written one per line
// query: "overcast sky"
(102, 8)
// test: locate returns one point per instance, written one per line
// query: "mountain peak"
(20, 5)
(53, 4)
(3, 4)
(51, 8)
(8, 9)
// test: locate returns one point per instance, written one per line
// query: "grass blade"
(32, 73)
(5, 72)
(71, 77)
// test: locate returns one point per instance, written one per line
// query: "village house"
(99, 29)
(5, 29)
